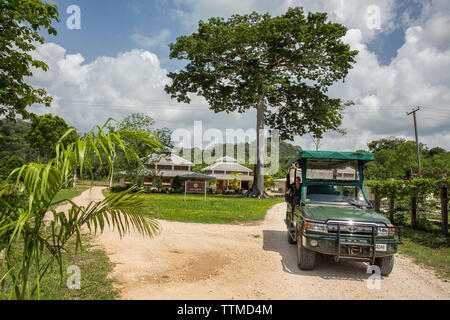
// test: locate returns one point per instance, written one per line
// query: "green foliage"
(13, 142)
(176, 183)
(281, 66)
(8, 164)
(396, 158)
(40, 183)
(428, 248)
(398, 189)
(45, 133)
(115, 189)
(21, 25)
(159, 182)
(234, 184)
(269, 181)
(144, 123)
(289, 60)
(95, 268)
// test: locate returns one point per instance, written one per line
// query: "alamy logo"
(74, 20)
(374, 280)
(74, 281)
(207, 146)
(373, 17)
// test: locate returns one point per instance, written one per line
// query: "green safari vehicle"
(331, 214)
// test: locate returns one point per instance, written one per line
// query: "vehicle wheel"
(290, 239)
(306, 259)
(386, 265)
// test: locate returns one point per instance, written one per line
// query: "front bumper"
(350, 247)
(359, 247)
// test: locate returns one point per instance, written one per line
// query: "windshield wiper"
(357, 204)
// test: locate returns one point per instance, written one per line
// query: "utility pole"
(417, 139)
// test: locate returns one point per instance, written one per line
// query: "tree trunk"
(391, 209)
(112, 173)
(257, 190)
(444, 210)
(413, 212)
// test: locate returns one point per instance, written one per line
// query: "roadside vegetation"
(429, 249)
(94, 265)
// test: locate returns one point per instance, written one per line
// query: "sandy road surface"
(199, 261)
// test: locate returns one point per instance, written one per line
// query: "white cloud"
(157, 40)
(87, 94)
(112, 87)
(352, 13)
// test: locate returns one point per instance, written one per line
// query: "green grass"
(430, 249)
(93, 263)
(69, 193)
(95, 284)
(216, 209)
(425, 245)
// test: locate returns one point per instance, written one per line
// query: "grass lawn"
(94, 265)
(425, 245)
(69, 193)
(216, 209)
(428, 248)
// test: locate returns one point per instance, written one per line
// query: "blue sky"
(107, 26)
(118, 63)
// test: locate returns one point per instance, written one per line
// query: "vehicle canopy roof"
(331, 159)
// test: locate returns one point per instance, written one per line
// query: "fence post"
(391, 208)
(377, 203)
(413, 212)
(444, 209)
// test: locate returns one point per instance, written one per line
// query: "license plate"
(381, 247)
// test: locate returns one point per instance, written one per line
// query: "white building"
(225, 170)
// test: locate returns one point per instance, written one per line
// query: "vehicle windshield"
(334, 183)
(335, 194)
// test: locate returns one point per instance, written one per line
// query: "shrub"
(176, 183)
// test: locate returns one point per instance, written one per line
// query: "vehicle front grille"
(350, 229)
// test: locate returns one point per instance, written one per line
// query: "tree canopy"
(291, 60)
(46, 131)
(396, 158)
(21, 22)
(281, 66)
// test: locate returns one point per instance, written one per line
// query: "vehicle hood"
(323, 213)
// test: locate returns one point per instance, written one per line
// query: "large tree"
(21, 24)
(46, 131)
(280, 66)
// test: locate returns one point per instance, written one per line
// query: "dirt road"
(199, 261)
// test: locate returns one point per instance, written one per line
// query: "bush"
(176, 183)
(116, 189)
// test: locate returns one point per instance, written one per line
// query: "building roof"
(226, 159)
(168, 160)
(227, 164)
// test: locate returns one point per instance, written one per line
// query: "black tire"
(306, 259)
(290, 239)
(386, 265)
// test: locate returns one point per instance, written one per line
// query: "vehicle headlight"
(384, 232)
(316, 227)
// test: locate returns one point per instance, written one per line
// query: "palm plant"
(36, 226)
